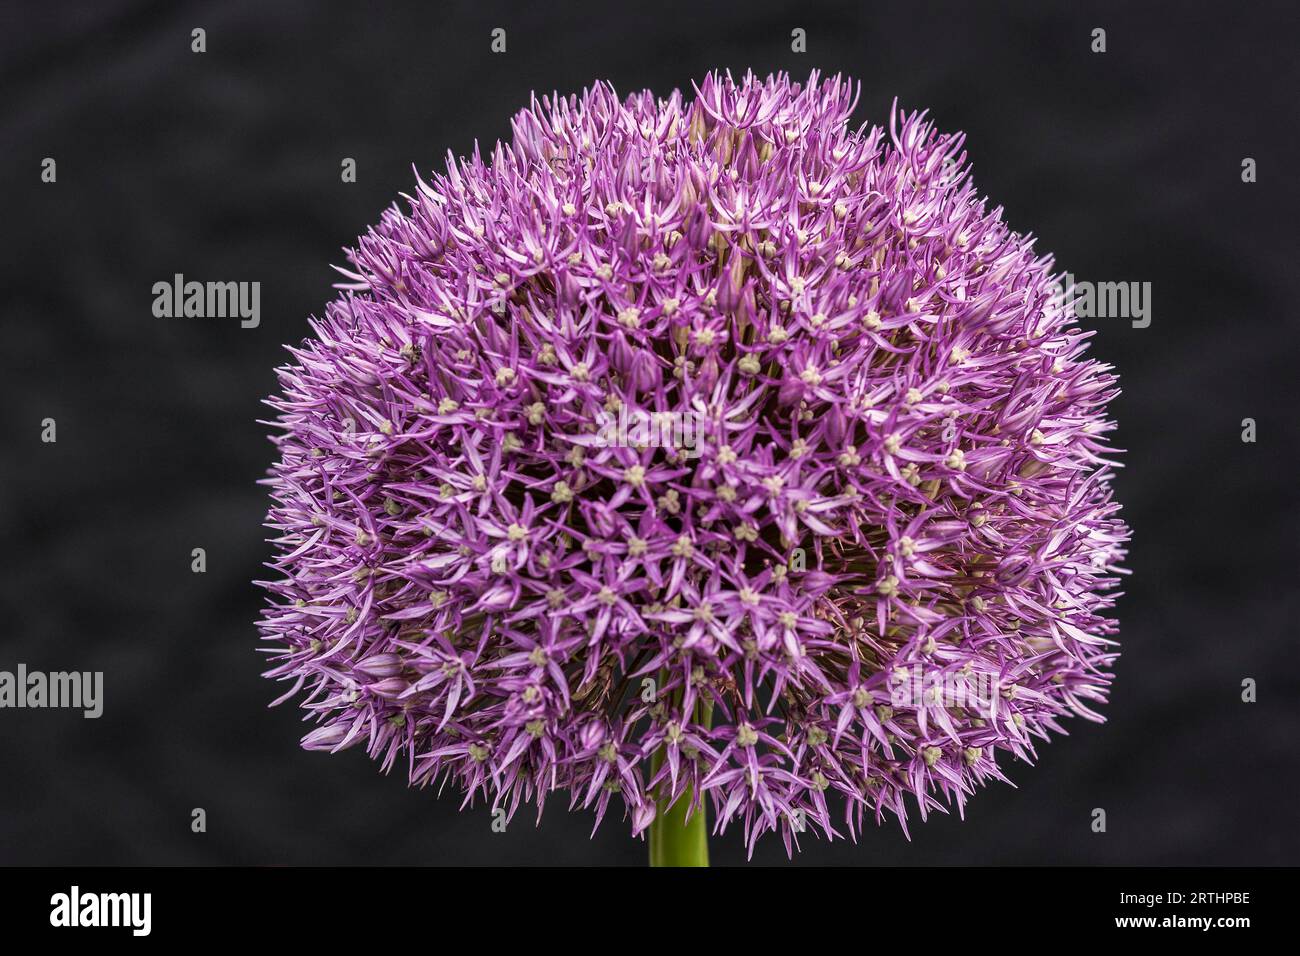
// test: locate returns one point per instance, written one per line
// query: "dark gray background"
(225, 166)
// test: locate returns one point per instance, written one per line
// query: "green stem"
(674, 840)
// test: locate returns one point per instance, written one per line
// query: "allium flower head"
(656, 452)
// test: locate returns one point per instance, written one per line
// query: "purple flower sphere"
(703, 449)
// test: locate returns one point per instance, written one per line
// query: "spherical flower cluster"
(705, 449)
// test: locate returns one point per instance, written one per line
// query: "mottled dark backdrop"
(225, 166)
